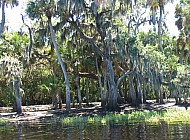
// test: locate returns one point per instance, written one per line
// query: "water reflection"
(56, 131)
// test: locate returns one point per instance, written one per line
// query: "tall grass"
(136, 116)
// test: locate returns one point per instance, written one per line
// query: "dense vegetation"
(93, 50)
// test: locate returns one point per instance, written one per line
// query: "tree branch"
(88, 39)
(122, 77)
(30, 33)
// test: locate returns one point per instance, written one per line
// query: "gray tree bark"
(160, 29)
(112, 98)
(132, 95)
(62, 65)
(87, 92)
(78, 90)
(102, 94)
(18, 94)
(2, 25)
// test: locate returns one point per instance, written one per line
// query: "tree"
(11, 70)
(131, 65)
(183, 24)
(182, 47)
(62, 65)
(154, 5)
(3, 4)
(12, 52)
(49, 12)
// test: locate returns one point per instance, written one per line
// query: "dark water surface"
(57, 131)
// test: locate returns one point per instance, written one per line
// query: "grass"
(3, 122)
(169, 116)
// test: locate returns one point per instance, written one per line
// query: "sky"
(171, 18)
(14, 20)
(13, 16)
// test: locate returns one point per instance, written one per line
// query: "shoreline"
(41, 112)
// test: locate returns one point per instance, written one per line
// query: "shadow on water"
(54, 130)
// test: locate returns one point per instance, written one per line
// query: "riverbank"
(41, 112)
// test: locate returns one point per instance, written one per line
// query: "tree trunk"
(157, 86)
(62, 65)
(2, 25)
(161, 95)
(161, 88)
(139, 89)
(28, 49)
(102, 94)
(144, 92)
(176, 97)
(187, 57)
(56, 101)
(18, 94)
(121, 97)
(181, 54)
(160, 30)
(87, 92)
(180, 93)
(132, 94)
(112, 99)
(78, 90)
(157, 92)
(99, 78)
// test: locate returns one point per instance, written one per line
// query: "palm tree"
(3, 3)
(38, 9)
(62, 65)
(49, 13)
(154, 5)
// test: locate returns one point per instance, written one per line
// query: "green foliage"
(183, 76)
(102, 22)
(6, 96)
(150, 38)
(169, 116)
(11, 54)
(10, 67)
(3, 122)
(183, 23)
(35, 9)
(14, 44)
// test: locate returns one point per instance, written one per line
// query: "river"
(113, 131)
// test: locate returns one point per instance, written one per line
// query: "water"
(56, 131)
